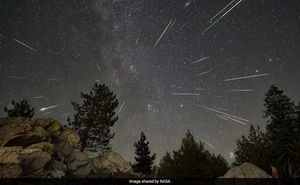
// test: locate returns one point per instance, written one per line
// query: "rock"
(77, 159)
(36, 174)
(63, 149)
(9, 162)
(246, 170)
(43, 146)
(82, 171)
(49, 124)
(35, 135)
(54, 127)
(18, 131)
(56, 169)
(71, 137)
(13, 128)
(111, 162)
(33, 161)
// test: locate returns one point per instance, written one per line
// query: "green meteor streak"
(215, 19)
(221, 10)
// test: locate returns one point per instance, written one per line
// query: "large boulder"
(246, 170)
(82, 171)
(77, 159)
(9, 162)
(44, 146)
(63, 149)
(110, 162)
(56, 169)
(35, 135)
(71, 137)
(33, 161)
(18, 131)
(12, 128)
(50, 125)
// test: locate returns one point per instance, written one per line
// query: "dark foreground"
(98, 181)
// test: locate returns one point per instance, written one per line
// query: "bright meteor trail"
(200, 60)
(215, 19)
(47, 108)
(240, 90)
(22, 43)
(222, 10)
(186, 94)
(210, 145)
(235, 120)
(220, 112)
(246, 77)
(162, 34)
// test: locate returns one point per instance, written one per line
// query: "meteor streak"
(200, 60)
(98, 67)
(47, 108)
(122, 106)
(23, 44)
(246, 77)
(172, 24)
(53, 79)
(223, 113)
(186, 94)
(37, 97)
(221, 11)
(203, 73)
(240, 90)
(215, 19)
(221, 117)
(162, 34)
(238, 121)
(137, 41)
(15, 77)
(210, 145)
(86, 6)
(53, 52)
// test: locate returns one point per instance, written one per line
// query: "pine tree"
(94, 117)
(255, 148)
(278, 146)
(297, 120)
(282, 126)
(280, 111)
(167, 167)
(144, 159)
(192, 161)
(21, 108)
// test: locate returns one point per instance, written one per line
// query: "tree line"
(276, 150)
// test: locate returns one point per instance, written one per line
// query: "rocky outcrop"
(71, 137)
(9, 162)
(246, 170)
(56, 169)
(110, 162)
(33, 162)
(43, 148)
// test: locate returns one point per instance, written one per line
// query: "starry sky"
(173, 64)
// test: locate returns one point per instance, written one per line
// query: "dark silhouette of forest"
(277, 149)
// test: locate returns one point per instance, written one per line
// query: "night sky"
(171, 63)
